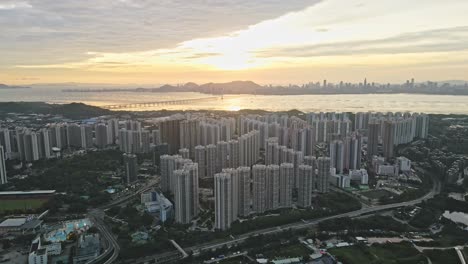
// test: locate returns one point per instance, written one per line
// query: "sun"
(234, 108)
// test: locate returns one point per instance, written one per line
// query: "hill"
(72, 111)
(4, 86)
(236, 87)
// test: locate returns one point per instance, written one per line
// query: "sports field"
(26, 204)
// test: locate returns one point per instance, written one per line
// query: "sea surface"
(435, 104)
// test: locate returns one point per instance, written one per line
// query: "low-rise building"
(404, 164)
(388, 170)
(20, 225)
(157, 203)
(360, 176)
(340, 181)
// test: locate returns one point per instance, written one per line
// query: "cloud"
(236, 35)
(439, 40)
(10, 5)
(76, 27)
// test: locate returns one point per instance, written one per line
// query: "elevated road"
(161, 103)
(111, 252)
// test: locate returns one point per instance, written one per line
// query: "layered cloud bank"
(269, 41)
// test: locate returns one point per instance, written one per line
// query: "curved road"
(97, 215)
(303, 224)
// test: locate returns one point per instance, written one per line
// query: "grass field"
(376, 194)
(402, 253)
(10, 205)
(442, 256)
(291, 251)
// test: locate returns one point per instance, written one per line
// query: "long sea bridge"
(162, 103)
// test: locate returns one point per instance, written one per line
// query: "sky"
(266, 41)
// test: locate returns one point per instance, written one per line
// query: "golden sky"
(270, 41)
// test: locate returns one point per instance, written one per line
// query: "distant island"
(249, 87)
(5, 87)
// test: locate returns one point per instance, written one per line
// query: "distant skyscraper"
(101, 135)
(373, 138)
(211, 160)
(167, 168)
(309, 141)
(190, 134)
(123, 140)
(159, 150)
(184, 152)
(5, 140)
(43, 145)
(422, 125)
(259, 188)
(60, 135)
(145, 141)
(306, 178)
(388, 139)
(272, 151)
(28, 146)
(186, 193)
(112, 131)
(156, 137)
(86, 136)
(131, 167)
(3, 174)
(337, 155)
(323, 168)
(310, 160)
(20, 142)
(235, 192)
(298, 160)
(249, 147)
(200, 158)
(233, 153)
(244, 191)
(222, 154)
(355, 152)
(272, 184)
(361, 121)
(135, 140)
(286, 184)
(223, 201)
(74, 135)
(170, 132)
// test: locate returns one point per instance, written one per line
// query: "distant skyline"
(269, 42)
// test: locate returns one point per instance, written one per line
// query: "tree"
(6, 244)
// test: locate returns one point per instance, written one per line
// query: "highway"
(241, 238)
(113, 246)
(300, 225)
(130, 196)
(97, 216)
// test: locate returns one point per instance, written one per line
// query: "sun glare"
(234, 108)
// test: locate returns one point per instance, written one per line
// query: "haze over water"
(435, 104)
